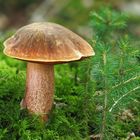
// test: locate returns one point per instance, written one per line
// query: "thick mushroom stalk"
(39, 89)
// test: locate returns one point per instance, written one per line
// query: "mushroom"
(43, 45)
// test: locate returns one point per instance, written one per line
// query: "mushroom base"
(39, 89)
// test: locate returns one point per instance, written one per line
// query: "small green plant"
(115, 70)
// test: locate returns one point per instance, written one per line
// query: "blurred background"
(73, 14)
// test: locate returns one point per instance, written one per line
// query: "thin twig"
(105, 100)
(125, 82)
(116, 102)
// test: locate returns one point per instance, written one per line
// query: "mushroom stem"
(39, 89)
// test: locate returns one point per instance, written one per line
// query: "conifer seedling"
(43, 45)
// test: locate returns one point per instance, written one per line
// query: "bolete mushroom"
(42, 45)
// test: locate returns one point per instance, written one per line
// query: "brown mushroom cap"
(48, 43)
